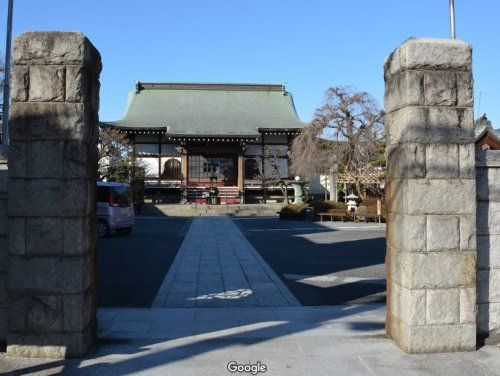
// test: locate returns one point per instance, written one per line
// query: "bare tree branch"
(345, 135)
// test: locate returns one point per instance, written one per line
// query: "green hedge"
(326, 206)
(293, 211)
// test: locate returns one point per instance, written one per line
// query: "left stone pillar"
(51, 196)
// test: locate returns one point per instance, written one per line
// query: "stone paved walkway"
(217, 267)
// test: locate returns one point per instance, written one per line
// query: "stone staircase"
(195, 210)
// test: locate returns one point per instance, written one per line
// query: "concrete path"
(336, 340)
(216, 266)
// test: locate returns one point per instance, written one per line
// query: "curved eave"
(488, 131)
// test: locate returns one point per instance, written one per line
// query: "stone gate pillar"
(431, 240)
(51, 195)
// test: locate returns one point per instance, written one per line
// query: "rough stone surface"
(428, 196)
(434, 338)
(429, 125)
(429, 53)
(3, 242)
(442, 161)
(431, 196)
(443, 306)
(433, 270)
(407, 232)
(51, 191)
(443, 233)
(46, 83)
(406, 161)
(404, 89)
(56, 48)
(408, 305)
(20, 83)
(440, 88)
(468, 306)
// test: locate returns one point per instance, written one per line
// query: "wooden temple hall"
(194, 136)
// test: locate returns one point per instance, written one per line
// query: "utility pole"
(6, 86)
(452, 19)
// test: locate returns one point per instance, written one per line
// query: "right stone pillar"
(430, 193)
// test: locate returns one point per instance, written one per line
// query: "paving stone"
(224, 270)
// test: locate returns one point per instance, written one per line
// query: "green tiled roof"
(210, 109)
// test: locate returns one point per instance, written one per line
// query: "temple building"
(487, 138)
(196, 136)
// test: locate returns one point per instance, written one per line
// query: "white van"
(115, 209)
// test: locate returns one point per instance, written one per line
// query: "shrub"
(325, 206)
(371, 204)
(293, 211)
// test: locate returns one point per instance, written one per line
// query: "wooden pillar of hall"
(184, 175)
(241, 175)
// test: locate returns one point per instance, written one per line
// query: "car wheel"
(124, 231)
(102, 228)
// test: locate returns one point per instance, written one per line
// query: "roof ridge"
(209, 86)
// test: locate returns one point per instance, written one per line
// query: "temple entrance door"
(201, 168)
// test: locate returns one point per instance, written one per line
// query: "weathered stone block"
(434, 338)
(407, 232)
(488, 217)
(430, 125)
(3, 218)
(78, 311)
(49, 121)
(442, 161)
(465, 87)
(76, 83)
(422, 270)
(440, 88)
(3, 254)
(443, 306)
(17, 159)
(79, 235)
(49, 275)
(52, 198)
(429, 53)
(4, 314)
(488, 251)
(408, 305)
(79, 160)
(51, 345)
(44, 236)
(443, 233)
(406, 161)
(396, 195)
(47, 83)
(45, 159)
(16, 313)
(58, 48)
(468, 233)
(44, 313)
(439, 196)
(3, 289)
(487, 282)
(404, 89)
(468, 306)
(488, 184)
(466, 156)
(17, 236)
(20, 83)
